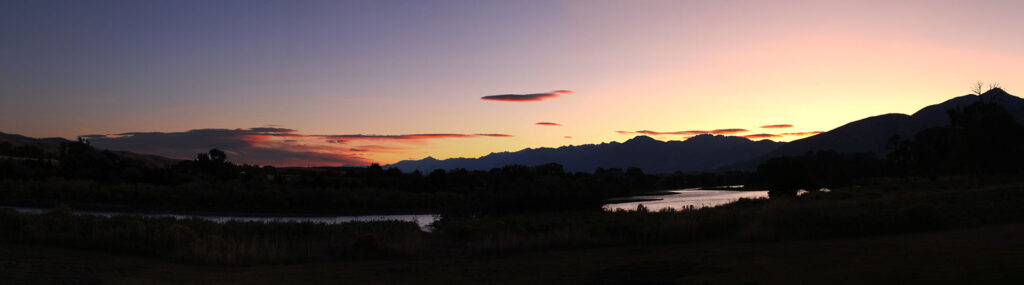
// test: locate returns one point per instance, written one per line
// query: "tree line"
(81, 175)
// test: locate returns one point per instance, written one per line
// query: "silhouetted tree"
(978, 88)
(218, 156)
(203, 158)
(214, 163)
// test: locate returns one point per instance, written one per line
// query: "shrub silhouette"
(783, 176)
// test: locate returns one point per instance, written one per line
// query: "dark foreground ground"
(981, 255)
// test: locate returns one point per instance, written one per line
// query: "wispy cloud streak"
(802, 133)
(535, 97)
(762, 136)
(406, 137)
(778, 126)
(684, 133)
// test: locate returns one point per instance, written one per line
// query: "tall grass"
(859, 211)
(200, 241)
(881, 206)
(218, 196)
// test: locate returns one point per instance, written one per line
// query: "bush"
(201, 241)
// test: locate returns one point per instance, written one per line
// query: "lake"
(423, 220)
(684, 199)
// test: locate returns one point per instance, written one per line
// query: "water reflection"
(685, 199)
(423, 221)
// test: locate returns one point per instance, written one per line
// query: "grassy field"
(887, 231)
(987, 255)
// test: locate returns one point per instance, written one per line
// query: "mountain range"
(715, 152)
(699, 153)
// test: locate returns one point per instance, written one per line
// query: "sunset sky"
(353, 82)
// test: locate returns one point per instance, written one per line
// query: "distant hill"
(47, 144)
(52, 145)
(702, 152)
(872, 134)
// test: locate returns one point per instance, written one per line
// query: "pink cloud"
(778, 126)
(395, 137)
(802, 133)
(408, 137)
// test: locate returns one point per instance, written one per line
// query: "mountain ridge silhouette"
(869, 134)
(697, 153)
(872, 134)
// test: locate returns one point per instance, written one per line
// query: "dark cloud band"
(245, 145)
(264, 145)
(762, 136)
(535, 97)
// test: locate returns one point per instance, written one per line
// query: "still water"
(685, 199)
(423, 221)
(679, 199)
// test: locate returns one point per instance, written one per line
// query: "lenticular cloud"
(535, 97)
